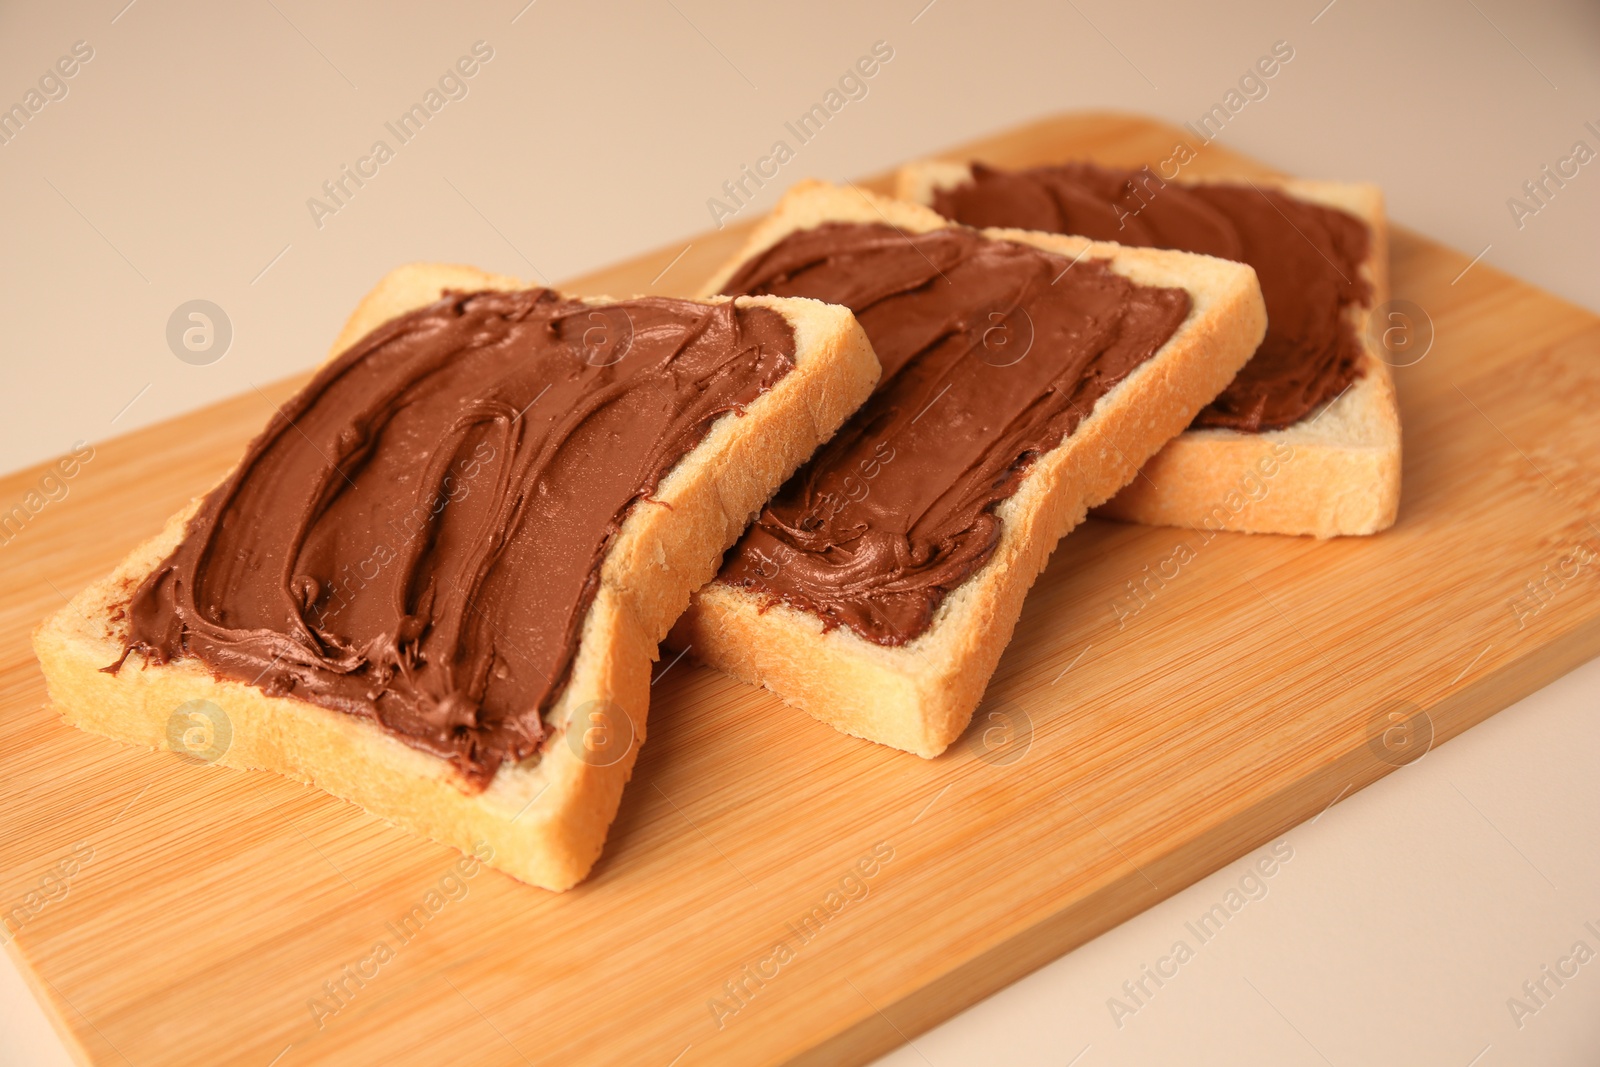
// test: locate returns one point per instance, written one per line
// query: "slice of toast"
(1334, 473)
(919, 696)
(543, 821)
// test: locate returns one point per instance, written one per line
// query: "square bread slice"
(543, 821)
(920, 696)
(1334, 473)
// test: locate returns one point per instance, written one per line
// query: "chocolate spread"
(992, 352)
(417, 535)
(1307, 257)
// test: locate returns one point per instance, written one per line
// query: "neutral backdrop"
(176, 164)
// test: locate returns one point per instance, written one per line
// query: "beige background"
(178, 166)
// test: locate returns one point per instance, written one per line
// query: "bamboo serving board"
(172, 912)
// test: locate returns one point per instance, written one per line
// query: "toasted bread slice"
(543, 821)
(1334, 473)
(920, 696)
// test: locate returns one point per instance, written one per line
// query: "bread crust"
(543, 823)
(1342, 474)
(920, 696)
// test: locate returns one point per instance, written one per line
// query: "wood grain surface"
(171, 912)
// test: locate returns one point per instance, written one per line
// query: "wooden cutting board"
(173, 912)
